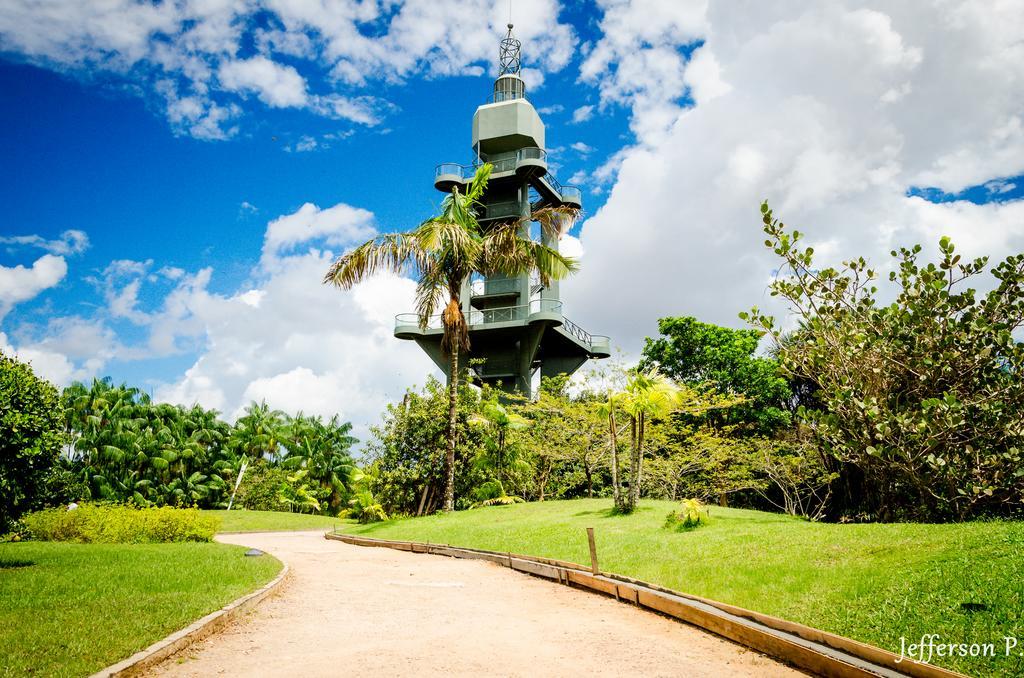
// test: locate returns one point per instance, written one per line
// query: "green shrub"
(691, 514)
(116, 524)
(259, 487)
(365, 508)
(504, 500)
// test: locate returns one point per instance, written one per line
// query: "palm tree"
(258, 433)
(648, 394)
(443, 253)
(501, 423)
(606, 409)
(322, 450)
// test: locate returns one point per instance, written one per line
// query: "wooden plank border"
(194, 632)
(811, 649)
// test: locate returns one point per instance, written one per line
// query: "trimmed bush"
(116, 524)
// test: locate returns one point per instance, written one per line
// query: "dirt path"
(351, 610)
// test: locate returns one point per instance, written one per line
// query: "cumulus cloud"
(337, 225)
(638, 60)
(196, 57)
(276, 85)
(300, 345)
(582, 114)
(794, 104)
(20, 283)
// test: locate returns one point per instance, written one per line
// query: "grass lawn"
(71, 609)
(271, 521)
(874, 583)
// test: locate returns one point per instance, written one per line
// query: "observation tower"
(516, 325)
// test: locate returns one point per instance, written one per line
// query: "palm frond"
(554, 221)
(429, 292)
(552, 264)
(479, 183)
(391, 252)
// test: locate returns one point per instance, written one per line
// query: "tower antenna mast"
(509, 60)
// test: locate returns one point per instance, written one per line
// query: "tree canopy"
(698, 353)
(31, 436)
(922, 400)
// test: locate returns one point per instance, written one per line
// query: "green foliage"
(922, 401)
(647, 398)
(503, 500)
(64, 484)
(259, 487)
(129, 449)
(500, 425)
(365, 508)
(702, 354)
(113, 524)
(565, 447)
(31, 437)
(257, 433)
(691, 514)
(322, 450)
(299, 494)
(407, 453)
(705, 463)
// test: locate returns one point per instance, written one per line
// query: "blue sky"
(215, 157)
(92, 154)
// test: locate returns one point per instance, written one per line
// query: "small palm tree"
(500, 423)
(648, 394)
(442, 253)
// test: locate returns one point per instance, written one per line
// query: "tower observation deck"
(517, 325)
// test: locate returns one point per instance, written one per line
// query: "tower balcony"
(549, 311)
(407, 325)
(527, 162)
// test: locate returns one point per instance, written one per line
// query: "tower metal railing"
(487, 316)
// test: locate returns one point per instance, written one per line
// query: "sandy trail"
(350, 610)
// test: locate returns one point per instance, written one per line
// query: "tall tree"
(697, 353)
(259, 431)
(31, 436)
(442, 253)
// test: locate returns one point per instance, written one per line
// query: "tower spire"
(509, 54)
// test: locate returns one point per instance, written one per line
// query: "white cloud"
(194, 55)
(296, 343)
(795, 110)
(337, 225)
(70, 242)
(20, 283)
(275, 84)
(999, 186)
(50, 365)
(638, 62)
(582, 148)
(305, 144)
(582, 114)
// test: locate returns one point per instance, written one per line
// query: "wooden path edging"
(811, 649)
(194, 632)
